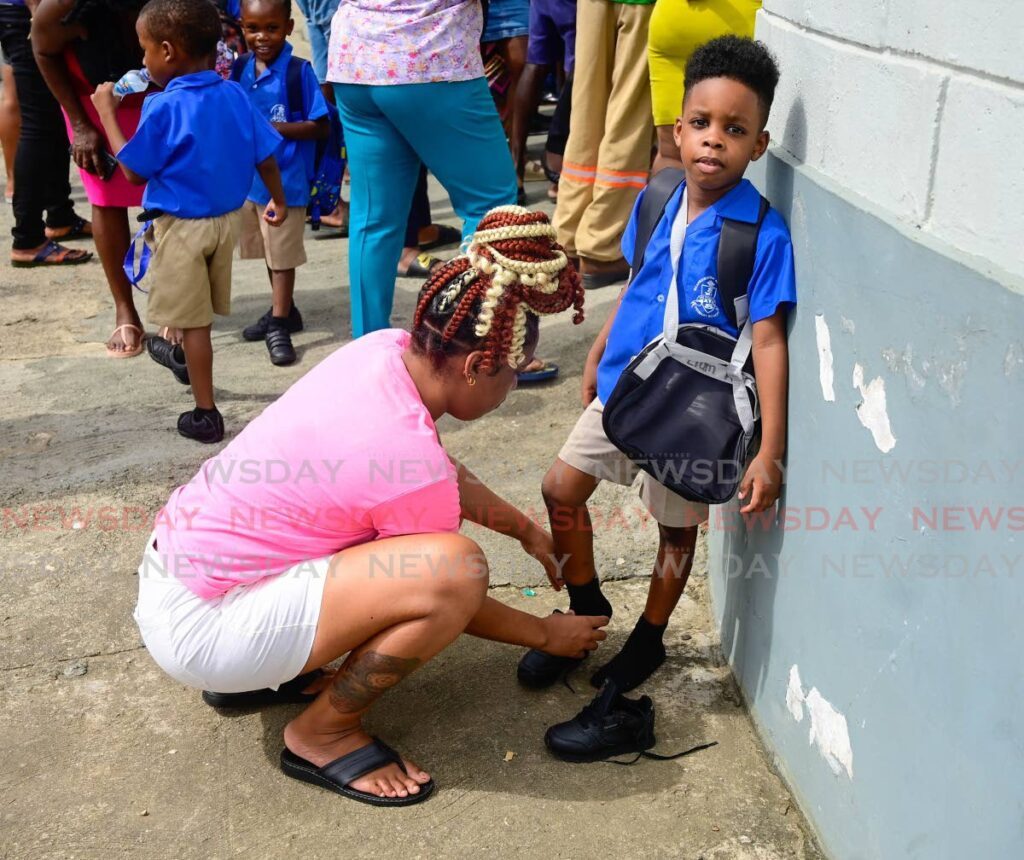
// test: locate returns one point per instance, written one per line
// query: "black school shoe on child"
(203, 425)
(258, 330)
(279, 343)
(611, 725)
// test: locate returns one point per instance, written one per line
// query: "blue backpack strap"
(294, 90)
(238, 66)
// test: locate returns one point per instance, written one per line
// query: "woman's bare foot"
(338, 218)
(117, 342)
(321, 749)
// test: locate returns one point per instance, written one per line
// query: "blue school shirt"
(197, 144)
(641, 315)
(269, 96)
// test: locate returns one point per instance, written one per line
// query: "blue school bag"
(329, 159)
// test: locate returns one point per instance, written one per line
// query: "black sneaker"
(203, 425)
(258, 330)
(279, 345)
(610, 725)
(168, 354)
(538, 669)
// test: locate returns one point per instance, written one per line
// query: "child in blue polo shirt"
(730, 83)
(264, 75)
(195, 148)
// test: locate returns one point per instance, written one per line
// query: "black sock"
(588, 599)
(199, 412)
(278, 322)
(642, 654)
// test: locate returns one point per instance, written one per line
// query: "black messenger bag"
(685, 410)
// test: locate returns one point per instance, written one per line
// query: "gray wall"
(901, 726)
(874, 622)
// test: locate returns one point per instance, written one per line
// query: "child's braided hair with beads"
(490, 298)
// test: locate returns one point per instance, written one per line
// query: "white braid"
(515, 350)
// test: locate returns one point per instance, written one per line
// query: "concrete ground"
(104, 756)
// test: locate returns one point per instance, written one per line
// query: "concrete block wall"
(914, 105)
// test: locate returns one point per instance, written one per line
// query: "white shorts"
(589, 449)
(254, 636)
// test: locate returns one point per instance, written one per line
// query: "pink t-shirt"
(385, 42)
(347, 455)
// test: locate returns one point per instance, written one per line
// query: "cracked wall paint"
(825, 373)
(872, 411)
(828, 731)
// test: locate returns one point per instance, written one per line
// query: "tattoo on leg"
(365, 677)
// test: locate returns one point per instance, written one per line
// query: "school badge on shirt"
(278, 114)
(706, 303)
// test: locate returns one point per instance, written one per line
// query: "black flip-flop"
(422, 266)
(446, 235)
(289, 693)
(336, 775)
(598, 280)
(76, 231)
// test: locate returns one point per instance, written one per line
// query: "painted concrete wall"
(875, 620)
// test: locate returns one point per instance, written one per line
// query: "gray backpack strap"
(737, 249)
(656, 196)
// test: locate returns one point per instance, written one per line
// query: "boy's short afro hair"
(192, 25)
(740, 59)
(285, 5)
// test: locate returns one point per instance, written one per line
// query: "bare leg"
(394, 604)
(112, 237)
(513, 52)
(10, 127)
(671, 570)
(527, 95)
(668, 152)
(566, 490)
(199, 358)
(282, 283)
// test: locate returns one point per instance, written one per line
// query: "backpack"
(329, 158)
(685, 410)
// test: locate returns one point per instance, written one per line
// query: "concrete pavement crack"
(73, 657)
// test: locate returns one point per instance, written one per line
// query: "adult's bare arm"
(50, 38)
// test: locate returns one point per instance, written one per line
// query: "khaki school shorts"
(589, 450)
(189, 276)
(281, 247)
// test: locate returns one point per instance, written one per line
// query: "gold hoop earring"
(470, 380)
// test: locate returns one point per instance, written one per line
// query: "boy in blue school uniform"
(730, 83)
(264, 75)
(195, 149)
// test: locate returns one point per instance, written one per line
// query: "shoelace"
(660, 757)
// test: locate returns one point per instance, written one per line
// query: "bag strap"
(237, 67)
(656, 196)
(737, 249)
(293, 89)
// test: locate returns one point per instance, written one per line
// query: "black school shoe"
(610, 725)
(168, 354)
(203, 425)
(258, 330)
(279, 345)
(538, 669)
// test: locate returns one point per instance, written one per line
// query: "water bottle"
(135, 81)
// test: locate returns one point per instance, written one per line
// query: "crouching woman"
(330, 525)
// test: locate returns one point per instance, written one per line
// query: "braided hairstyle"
(490, 298)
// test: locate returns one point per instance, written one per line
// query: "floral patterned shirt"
(405, 42)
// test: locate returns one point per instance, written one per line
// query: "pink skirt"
(116, 191)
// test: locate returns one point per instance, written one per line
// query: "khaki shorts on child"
(282, 246)
(589, 450)
(189, 276)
